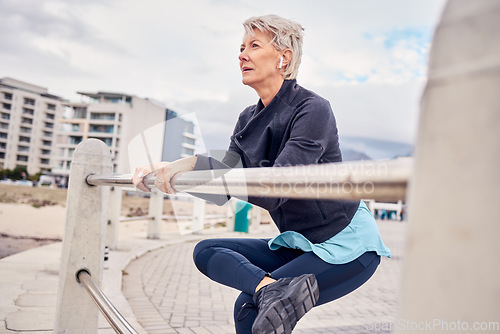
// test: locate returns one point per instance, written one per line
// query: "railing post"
(231, 210)
(198, 215)
(83, 242)
(155, 211)
(113, 223)
(255, 217)
(450, 278)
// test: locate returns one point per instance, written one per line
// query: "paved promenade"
(156, 287)
(168, 295)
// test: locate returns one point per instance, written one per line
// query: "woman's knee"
(202, 253)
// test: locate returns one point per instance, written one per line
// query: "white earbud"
(281, 63)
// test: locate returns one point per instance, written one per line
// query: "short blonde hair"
(284, 34)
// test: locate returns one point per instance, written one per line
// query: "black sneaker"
(282, 303)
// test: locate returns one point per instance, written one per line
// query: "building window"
(47, 134)
(5, 116)
(3, 135)
(75, 140)
(45, 152)
(22, 158)
(189, 127)
(49, 125)
(50, 116)
(29, 101)
(23, 148)
(190, 141)
(44, 161)
(2, 155)
(79, 112)
(107, 141)
(101, 128)
(25, 129)
(25, 120)
(7, 96)
(28, 111)
(46, 143)
(102, 116)
(4, 125)
(51, 106)
(3, 145)
(7, 106)
(187, 151)
(24, 139)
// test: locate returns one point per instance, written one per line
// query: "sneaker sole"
(282, 316)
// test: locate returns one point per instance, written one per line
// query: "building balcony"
(189, 135)
(26, 123)
(189, 146)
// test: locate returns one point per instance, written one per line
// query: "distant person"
(327, 248)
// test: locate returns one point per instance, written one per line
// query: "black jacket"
(296, 128)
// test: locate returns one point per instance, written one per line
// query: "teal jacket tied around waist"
(296, 128)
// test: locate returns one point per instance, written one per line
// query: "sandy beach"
(31, 217)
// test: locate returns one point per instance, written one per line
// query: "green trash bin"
(241, 221)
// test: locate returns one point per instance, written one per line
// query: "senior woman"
(327, 248)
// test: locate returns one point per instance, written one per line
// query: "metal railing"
(377, 180)
(115, 319)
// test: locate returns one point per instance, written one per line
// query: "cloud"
(367, 57)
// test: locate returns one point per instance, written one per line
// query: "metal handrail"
(378, 180)
(115, 319)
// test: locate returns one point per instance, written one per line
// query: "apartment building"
(28, 114)
(114, 118)
(180, 138)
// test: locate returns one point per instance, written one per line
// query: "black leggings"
(243, 263)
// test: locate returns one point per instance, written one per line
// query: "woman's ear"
(287, 57)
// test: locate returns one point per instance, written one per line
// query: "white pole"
(255, 217)
(198, 215)
(113, 224)
(155, 211)
(83, 242)
(231, 209)
(451, 272)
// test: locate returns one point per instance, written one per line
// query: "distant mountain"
(353, 155)
(360, 148)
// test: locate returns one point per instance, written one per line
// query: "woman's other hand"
(163, 172)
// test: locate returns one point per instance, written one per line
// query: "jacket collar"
(250, 138)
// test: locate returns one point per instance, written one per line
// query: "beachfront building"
(28, 114)
(180, 138)
(114, 118)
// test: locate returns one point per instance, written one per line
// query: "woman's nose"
(243, 56)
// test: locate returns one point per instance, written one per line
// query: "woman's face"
(259, 60)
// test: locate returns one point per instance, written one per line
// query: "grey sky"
(367, 57)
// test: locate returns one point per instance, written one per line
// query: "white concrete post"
(398, 210)
(198, 215)
(231, 210)
(451, 267)
(113, 223)
(83, 242)
(155, 211)
(371, 206)
(255, 217)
